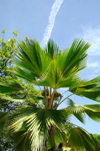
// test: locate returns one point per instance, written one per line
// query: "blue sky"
(75, 19)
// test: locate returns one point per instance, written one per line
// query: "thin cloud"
(93, 64)
(54, 10)
(93, 37)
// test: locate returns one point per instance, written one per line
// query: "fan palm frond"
(31, 60)
(10, 86)
(38, 122)
(37, 66)
(14, 90)
(51, 49)
(75, 57)
(7, 98)
(3, 118)
(93, 111)
(80, 140)
(21, 141)
(89, 89)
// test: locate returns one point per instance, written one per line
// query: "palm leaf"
(10, 86)
(31, 60)
(21, 141)
(53, 72)
(50, 67)
(38, 122)
(51, 49)
(93, 111)
(15, 90)
(75, 57)
(89, 89)
(3, 118)
(7, 98)
(80, 140)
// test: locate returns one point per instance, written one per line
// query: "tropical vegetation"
(33, 91)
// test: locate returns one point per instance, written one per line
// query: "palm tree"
(39, 124)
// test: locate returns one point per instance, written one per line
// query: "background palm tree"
(39, 124)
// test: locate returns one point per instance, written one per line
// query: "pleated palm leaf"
(13, 94)
(41, 125)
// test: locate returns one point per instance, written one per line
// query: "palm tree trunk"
(53, 139)
(44, 145)
(52, 98)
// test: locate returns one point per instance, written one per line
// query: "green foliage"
(38, 122)
(33, 91)
(80, 140)
(3, 31)
(40, 65)
(15, 33)
(93, 111)
(89, 89)
(8, 49)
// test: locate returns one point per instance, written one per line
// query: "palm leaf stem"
(50, 91)
(64, 99)
(52, 98)
(53, 139)
(44, 144)
(64, 92)
(44, 101)
(94, 140)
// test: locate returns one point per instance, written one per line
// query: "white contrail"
(54, 10)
